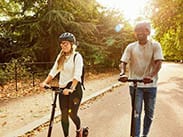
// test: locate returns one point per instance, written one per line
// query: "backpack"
(83, 72)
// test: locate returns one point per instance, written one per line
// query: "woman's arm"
(46, 81)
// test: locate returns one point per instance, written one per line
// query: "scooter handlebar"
(54, 88)
(137, 80)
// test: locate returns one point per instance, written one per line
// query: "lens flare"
(118, 27)
(70, 110)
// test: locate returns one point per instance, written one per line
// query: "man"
(145, 59)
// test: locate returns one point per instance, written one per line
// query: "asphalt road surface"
(109, 115)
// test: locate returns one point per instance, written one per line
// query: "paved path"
(109, 115)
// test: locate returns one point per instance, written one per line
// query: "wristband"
(121, 74)
(44, 83)
(72, 88)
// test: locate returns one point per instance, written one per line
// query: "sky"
(130, 8)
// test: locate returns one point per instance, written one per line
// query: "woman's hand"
(67, 91)
(46, 81)
(42, 85)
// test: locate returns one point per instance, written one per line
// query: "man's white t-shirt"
(140, 59)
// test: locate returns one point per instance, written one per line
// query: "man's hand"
(147, 79)
(123, 78)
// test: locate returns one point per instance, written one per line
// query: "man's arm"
(157, 67)
(122, 68)
(123, 77)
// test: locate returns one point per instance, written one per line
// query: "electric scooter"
(134, 113)
(57, 91)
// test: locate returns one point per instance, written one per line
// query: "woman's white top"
(72, 69)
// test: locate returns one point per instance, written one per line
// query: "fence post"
(16, 81)
(33, 78)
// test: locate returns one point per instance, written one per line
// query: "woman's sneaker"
(79, 133)
(85, 132)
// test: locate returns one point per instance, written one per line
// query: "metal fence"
(16, 72)
(20, 71)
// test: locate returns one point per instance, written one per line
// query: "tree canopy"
(167, 19)
(32, 27)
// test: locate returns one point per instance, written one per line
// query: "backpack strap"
(82, 75)
(74, 57)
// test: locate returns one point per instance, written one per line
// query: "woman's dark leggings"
(69, 105)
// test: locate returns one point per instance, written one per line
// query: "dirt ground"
(18, 112)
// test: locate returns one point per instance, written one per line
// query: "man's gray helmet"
(67, 36)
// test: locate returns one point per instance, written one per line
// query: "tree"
(167, 20)
(32, 29)
(18, 35)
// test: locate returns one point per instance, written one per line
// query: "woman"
(69, 64)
